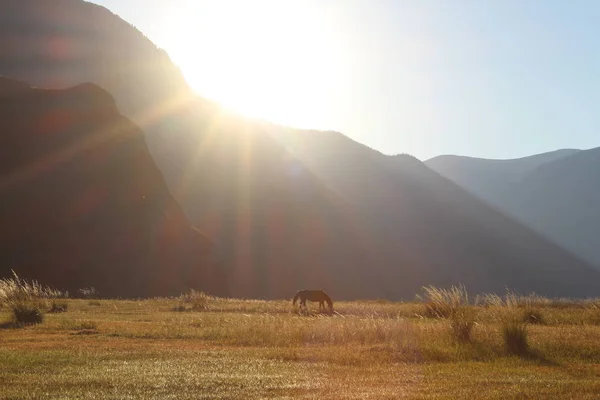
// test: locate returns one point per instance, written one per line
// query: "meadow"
(442, 346)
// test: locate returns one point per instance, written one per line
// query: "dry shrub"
(443, 303)
(26, 299)
(27, 313)
(58, 307)
(199, 300)
(16, 290)
(533, 316)
(515, 337)
(462, 323)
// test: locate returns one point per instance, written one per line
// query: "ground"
(236, 349)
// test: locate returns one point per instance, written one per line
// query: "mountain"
(83, 204)
(555, 193)
(492, 180)
(286, 208)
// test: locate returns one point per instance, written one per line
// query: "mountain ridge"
(83, 204)
(557, 198)
(292, 208)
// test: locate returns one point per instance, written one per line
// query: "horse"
(314, 296)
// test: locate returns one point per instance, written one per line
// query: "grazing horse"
(313, 295)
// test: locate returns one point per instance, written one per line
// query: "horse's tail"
(296, 297)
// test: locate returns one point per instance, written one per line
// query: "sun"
(263, 58)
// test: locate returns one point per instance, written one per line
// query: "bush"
(533, 316)
(443, 303)
(199, 300)
(515, 337)
(27, 313)
(88, 293)
(58, 307)
(16, 291)
(462, 322)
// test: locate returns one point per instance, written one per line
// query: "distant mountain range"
(556, 193)
(285, 208)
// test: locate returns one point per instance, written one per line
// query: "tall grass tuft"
(444, 303)
(26, 299)
(461, 324)
(88, 293)
(533, 316)
(199, 300)
(15, 289)
(58, 307)
(515, 337)
(27, 313)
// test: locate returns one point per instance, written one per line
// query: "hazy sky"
(496, 78)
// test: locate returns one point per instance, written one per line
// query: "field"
(250, 349)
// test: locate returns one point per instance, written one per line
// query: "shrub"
(515, 337)
(88, 293)
(199, 300)
(462, 322)
(16, 290)
(27, 313)
(58, 307)
(443, 303)
(533, 316)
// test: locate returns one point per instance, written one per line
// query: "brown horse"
(314, 296)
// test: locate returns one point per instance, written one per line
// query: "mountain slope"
(83, 204)
(492, 180)
(562, 200)
(555, 193)
(434, 229)
(289, 209)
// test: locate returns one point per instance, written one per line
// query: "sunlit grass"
(246, 349)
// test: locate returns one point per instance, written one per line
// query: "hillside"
(492, 180)
(83, 204)
(289, 209)
(555, 193)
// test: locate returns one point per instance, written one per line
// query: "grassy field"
(237, 349)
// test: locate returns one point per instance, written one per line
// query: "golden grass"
(250, 349)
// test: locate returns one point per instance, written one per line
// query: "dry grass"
(237, 349)
(443, 303)
(17, 290)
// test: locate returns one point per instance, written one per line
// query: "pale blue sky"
(495, 78)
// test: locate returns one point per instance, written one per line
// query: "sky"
(481, 78)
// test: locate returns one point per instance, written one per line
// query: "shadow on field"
(537, 357)
(8, 325)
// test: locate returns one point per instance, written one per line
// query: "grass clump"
(88, 293)
(533, 316)
(199, 300)
(461, 323)
(27, 313)
(25, 299)
(444, 303)
(515, 338)
(16, 290)
(58, 307)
